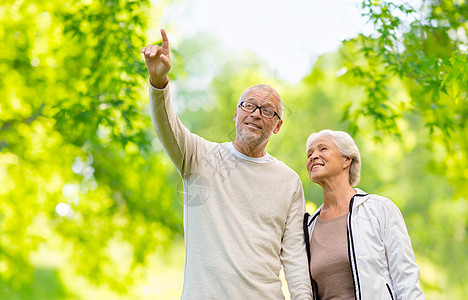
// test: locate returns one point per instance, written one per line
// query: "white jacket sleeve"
(401, 260)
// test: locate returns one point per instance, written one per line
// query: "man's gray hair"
(346, 146)
(268, 88)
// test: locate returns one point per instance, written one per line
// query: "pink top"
(329, 263)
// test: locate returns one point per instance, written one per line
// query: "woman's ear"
(347, 162)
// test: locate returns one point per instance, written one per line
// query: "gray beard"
(249, 138)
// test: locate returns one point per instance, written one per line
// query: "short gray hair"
(266, 87)
(346, 146)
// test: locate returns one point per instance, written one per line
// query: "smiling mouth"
(315, 166)
(253, 125)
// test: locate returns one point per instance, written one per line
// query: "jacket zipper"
(306, 225)
(390, 291)
(352, 254)
(351, 251)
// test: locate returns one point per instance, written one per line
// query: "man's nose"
(256, 112)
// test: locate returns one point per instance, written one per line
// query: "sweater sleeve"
(180, 144)
(404, 271)
(293, 253)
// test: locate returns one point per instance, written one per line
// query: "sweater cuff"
(156, 93)
(151, 86)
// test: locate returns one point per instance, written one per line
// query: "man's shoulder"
(284, 168)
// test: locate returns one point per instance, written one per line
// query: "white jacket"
(379, 247)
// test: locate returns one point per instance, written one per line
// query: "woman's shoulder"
(364, 197)
(380, 204)
(378, 199)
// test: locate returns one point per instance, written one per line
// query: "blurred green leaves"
(427, 49)
(78, 170)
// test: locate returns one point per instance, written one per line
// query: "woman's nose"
(314, 157)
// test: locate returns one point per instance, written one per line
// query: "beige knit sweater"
(242, 215)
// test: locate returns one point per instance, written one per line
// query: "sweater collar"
(262, 160)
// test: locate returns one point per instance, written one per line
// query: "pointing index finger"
(165, 40)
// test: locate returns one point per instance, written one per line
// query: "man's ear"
(278, 126)
(235, 116)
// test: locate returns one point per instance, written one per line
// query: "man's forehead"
(261, 94)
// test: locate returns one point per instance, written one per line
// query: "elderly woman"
(357, 243)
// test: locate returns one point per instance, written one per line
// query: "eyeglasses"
(265, 112)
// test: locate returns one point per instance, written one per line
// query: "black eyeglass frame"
(241, 105)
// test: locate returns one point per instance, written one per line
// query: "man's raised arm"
(158, 62)
(179, 143)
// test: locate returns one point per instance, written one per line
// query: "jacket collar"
(360, 197)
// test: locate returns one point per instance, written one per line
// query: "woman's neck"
(336, 198)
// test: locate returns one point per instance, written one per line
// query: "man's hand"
(158, 62)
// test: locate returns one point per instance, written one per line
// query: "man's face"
(251, 127)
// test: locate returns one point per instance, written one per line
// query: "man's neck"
(252, 151)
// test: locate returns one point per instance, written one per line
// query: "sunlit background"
(288, 35)
(91, 206)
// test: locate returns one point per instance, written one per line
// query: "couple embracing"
(245, 217)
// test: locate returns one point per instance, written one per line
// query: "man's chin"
(253, 139)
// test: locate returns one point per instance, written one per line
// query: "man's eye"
(266, 110)
(249, 106)
(323, 148)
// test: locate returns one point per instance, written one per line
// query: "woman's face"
(324, 161)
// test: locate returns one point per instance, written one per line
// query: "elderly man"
(243, 208)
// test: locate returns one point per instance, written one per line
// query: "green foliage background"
(89, 202)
